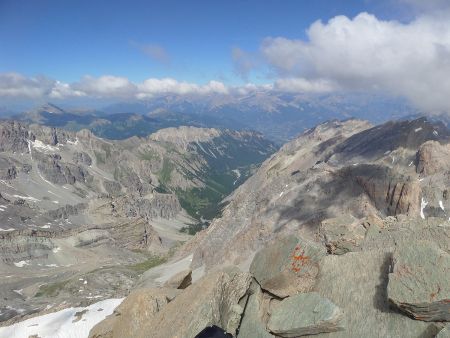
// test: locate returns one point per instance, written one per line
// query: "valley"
(82, 218)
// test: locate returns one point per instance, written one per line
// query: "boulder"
(181, 280)
(419, 283)
(305, 314)
(287, 266)
(130, 316)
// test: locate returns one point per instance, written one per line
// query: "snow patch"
(10, 229)
(417, 129)
(441, 206)
(21, 264)
(423, 204)
(27, 198)
(64, 323)
(56, 250)
(42, 147)
(73, 142)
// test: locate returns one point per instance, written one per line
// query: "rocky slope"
(82, 217)
(342, 233)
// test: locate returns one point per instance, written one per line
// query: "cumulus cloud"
(409, 59)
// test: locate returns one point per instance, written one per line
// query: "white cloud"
(106, 86)
(304, 85)
(13, 85)
(17, 85)
(411, 59)
(154, 86)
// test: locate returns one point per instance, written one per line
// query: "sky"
(61, 49)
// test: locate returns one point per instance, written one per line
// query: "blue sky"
(68, 39)
(57, 50)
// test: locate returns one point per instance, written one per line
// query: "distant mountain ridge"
(279, 116)
(120, 125)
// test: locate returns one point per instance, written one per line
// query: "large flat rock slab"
(420, 282)
(305, 314)
(287, 266)
(356, 282)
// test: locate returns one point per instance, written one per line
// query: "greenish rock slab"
(356, 282)
(252, 324)
(419, 284)
(287, 266)
(305, 314)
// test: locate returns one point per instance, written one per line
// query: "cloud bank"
(363, 53)
(411, 60)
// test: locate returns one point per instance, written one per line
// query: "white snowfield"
(64, 323)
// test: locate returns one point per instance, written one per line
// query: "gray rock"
(181, 280)
(82, 158)
(419, 284)
(305, 314)
(287, 266)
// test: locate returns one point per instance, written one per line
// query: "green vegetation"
(192, 229)
(166, 171)
(149, 155)
(51, 290)
(148, 264)
(100, 157)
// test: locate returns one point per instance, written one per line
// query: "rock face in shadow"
(305, 314)
(390, 192)
(432, 158)
(287, 266)
(420, 282)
